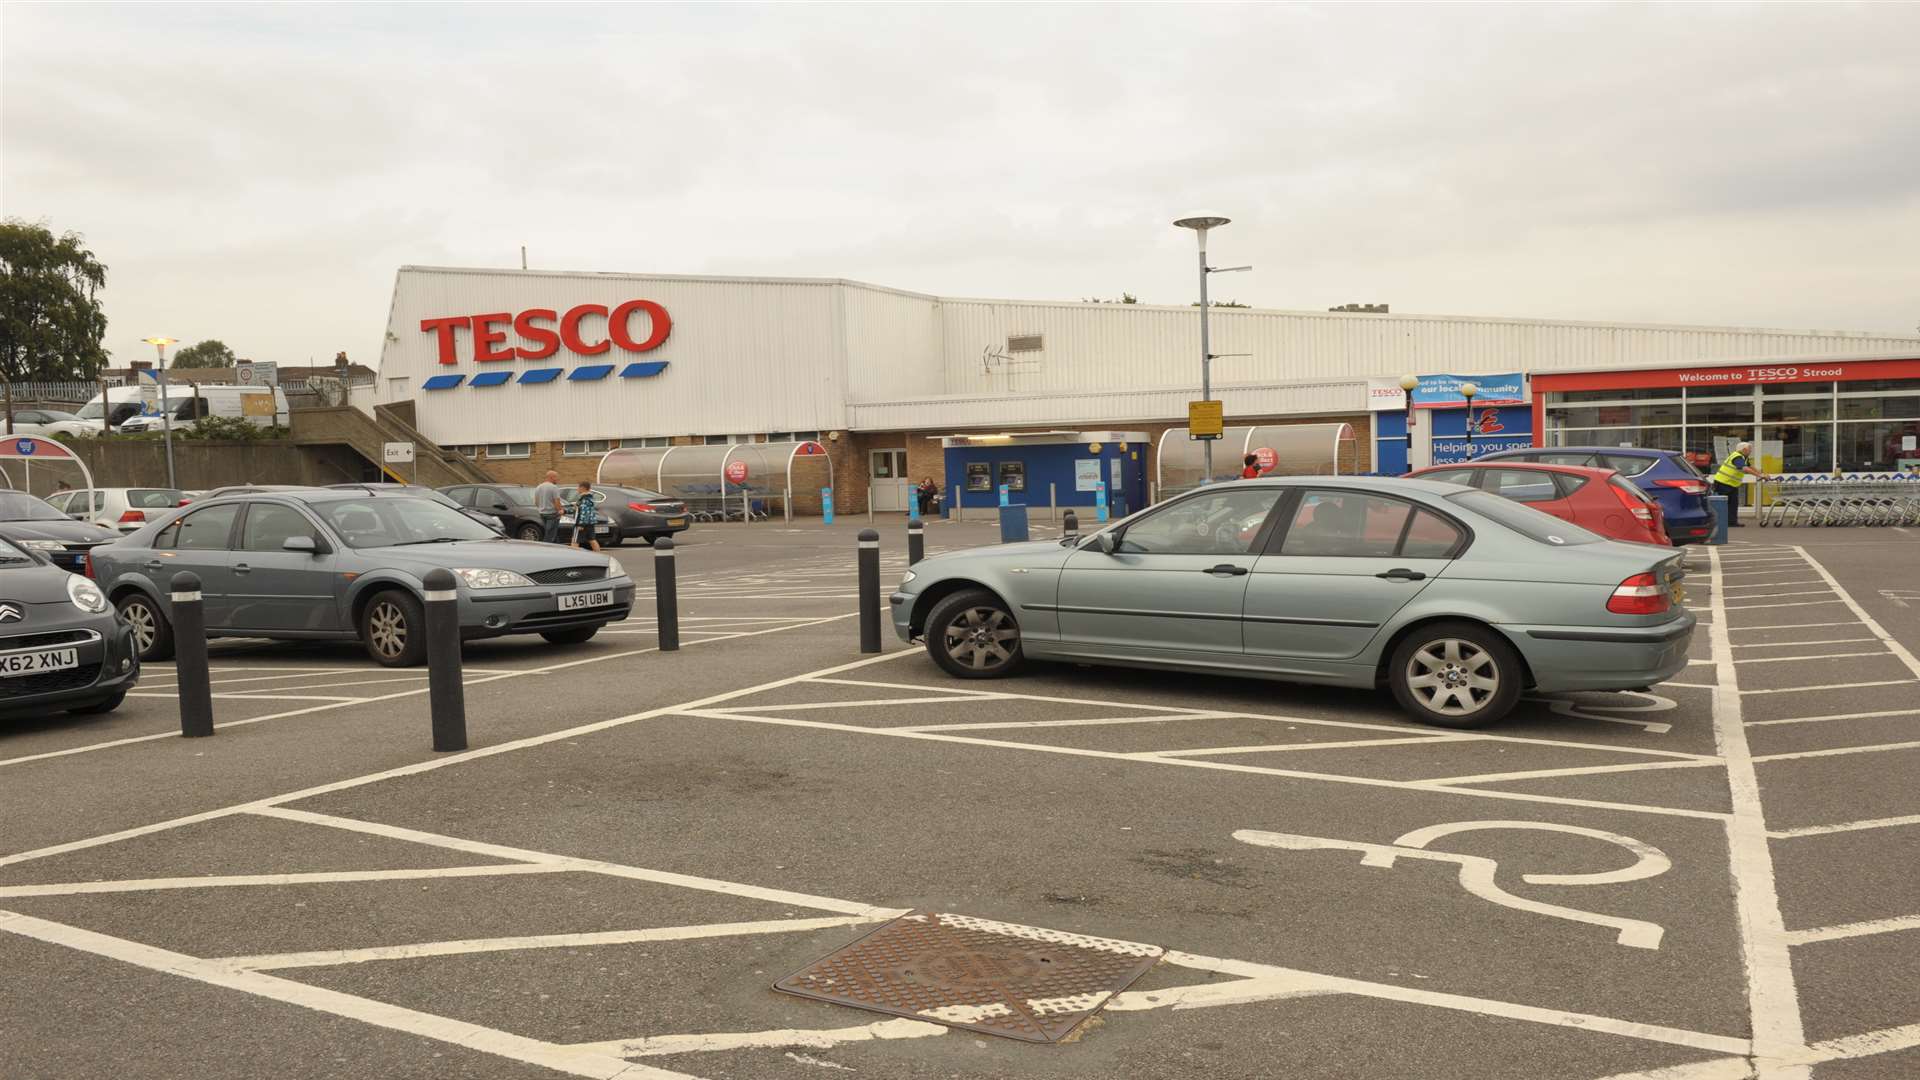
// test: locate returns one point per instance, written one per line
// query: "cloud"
(256, 173)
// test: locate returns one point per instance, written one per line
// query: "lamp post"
(1408, 384)
(166, 414)
(1200, 225)
(1468, 390)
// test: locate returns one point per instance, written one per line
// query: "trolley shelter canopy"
(20, 453)
(735, 479)
(1282, 450)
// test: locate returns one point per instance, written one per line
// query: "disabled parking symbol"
(1477, 871)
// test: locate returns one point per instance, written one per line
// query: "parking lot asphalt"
(1713, 879)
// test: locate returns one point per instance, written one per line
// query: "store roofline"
(737, 279)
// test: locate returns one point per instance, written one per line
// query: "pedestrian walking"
(546, 498)
(586, 517)
(1728, 478)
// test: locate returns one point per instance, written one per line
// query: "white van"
(265, 406)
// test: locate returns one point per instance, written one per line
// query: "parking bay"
(1072, 799)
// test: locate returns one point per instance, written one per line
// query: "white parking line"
(328, 957)
(1801, 644)
(1757, 607)
(1838, 751)
(1263, 748)
(1584, 770)
(1851, 930)
(1791, 626)
(1773, 998)
(325, 877)
(1836, 716)
(1846, 826)
(1830, 686)
(1812, 656)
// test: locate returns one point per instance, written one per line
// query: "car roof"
(1624, 451)
(1387, 484)
(1589, 471)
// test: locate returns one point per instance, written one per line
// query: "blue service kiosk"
(1071, 466)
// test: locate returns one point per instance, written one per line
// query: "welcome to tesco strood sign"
(542, 331)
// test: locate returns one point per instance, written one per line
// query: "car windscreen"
(385, 521)
(1535, 525)
(20, 506)
(153, 498)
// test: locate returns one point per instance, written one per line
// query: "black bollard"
(190, 657)
(1070, 526)
(916, 542)
(869, 591)
(446, 695)
(666, 596)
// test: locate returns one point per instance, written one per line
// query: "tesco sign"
(586, 329)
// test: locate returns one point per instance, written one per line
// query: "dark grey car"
(61, 648)
(342, 566)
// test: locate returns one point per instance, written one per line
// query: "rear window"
(153, 498)
(1628, 465)
(1535, 525)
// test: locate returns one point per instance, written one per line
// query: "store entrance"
(887, 485)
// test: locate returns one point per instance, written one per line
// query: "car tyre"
(1456, 675)
(530, 531)
(99, 707)
(393, 627)
(972, 635)
(575, 636)
(152, 633)
(615, 539)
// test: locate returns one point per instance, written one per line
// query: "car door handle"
(1226, 570)
(155, 565)
(1401, 573)
(241, 568)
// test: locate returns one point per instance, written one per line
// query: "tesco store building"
(527, 371)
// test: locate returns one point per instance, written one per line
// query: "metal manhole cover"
(1021, 982)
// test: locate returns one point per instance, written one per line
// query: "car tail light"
(1690, 487)
(86, 564)
(1641, 594)
(1633, 501)
(132, 515)
(645, 508)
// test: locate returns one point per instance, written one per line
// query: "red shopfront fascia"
(1717, 375)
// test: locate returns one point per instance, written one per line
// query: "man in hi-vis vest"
(1727, 479)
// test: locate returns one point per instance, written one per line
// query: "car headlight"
(614, 569)
(42, 545)
(86, 595)
(906, 577)
(493, 579)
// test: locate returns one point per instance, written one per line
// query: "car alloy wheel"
(1452, 677)
(981, 638)
(387, 629)
(140, 618)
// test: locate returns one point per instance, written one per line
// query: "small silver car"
(327, 565)
(1455, 599)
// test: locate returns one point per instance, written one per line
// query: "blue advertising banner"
(1443, 391)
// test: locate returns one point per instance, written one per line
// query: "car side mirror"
(300, 543)
(1107, 542)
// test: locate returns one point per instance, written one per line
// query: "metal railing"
(1858, 499)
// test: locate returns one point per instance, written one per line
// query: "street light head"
(1203, 223)
(1468, 390)
(161, 341)
(1409, 383)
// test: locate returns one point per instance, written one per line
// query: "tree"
(1125, 298)
(51, 325)
(210, 353)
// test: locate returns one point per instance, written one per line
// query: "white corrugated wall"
(767, 354)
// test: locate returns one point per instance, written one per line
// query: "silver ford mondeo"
(1455, 599)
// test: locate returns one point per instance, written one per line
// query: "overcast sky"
(257, 173)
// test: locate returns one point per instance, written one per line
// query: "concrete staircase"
(344, 425)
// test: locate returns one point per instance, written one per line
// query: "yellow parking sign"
(1206, 419)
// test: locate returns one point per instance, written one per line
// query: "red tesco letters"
(542, 331)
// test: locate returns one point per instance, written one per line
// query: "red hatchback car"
(1598, 500)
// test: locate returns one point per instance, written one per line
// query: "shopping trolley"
(1847, 499)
